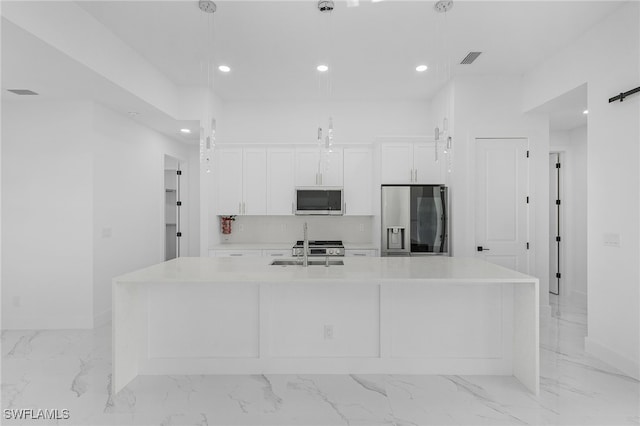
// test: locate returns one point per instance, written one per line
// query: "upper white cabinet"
(313, 168)
(242, 181)
(254, 182)
(358, 176)
(412, 163)
(280, 181)
(229, 179)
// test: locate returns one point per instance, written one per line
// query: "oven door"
(319, 201)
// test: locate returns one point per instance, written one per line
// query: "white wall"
(47, 215)
(83, 200)
(490, 107)
(607, 58)
(297, 122)
(572, 145)
(129, 199)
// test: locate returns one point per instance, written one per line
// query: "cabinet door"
(331, 168)
(276, 253)
(361, 253)
(254, 181)
(307, 166)
(427, 169)
(229, 181)
(358, 176)
(280, 181)
(396, 163)
(237, 253)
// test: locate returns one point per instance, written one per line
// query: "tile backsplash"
(288, 229)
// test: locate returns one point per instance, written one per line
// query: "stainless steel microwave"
(319, 200)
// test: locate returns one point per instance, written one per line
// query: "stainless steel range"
(320, 248)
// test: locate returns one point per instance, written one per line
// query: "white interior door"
(554, 224)
(501, 202)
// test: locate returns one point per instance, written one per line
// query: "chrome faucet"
(305, 247)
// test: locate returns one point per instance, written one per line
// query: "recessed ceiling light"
(585, 112)
(224, 68)
(421, 68)
(322, 68)
(185, 130)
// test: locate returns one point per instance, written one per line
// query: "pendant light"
(325, 139)
(208, 135)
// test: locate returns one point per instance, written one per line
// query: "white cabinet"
(242, 181)
(280, 181)
(236, 253)
(254, 182)
(358, 177)
(229, 177)
(317, 167)
(412, 163)
(361, 253)
(276, 253)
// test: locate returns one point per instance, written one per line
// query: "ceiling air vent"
(472, 56)
(22, 91)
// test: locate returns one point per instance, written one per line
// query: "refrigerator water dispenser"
(395, 238)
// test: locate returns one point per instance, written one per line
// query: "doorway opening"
(172, 207)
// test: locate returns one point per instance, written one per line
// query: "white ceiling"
(566, 111)
(28, 62)
(273, 47)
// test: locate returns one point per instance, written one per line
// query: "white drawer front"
(361, 253)
(237, 253)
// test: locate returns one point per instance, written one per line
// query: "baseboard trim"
(102, 319)
(545, 311)
(612, 358)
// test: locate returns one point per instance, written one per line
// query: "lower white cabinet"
(361, 253)
(235, 253)
(277, 253)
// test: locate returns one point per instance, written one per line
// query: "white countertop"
(355, 269)
(283, 246)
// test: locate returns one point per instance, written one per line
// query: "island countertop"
(374, 269)
(372, 315)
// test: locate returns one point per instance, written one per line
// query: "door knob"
(480, 248)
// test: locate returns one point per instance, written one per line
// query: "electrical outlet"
(16, 301)
(106, 232)
(328, 332)
(283, 227)
(362, 227)
(612, 240)
(240, 227)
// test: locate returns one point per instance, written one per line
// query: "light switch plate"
(612, 240)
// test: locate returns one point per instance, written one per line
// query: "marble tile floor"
(71, 370)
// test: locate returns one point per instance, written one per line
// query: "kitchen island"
(404, 315)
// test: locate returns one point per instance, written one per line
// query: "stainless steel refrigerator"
(415, 220)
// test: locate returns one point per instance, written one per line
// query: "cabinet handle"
(276, 254)
(320, 178)
(410, 175)
(416, 172)
(345, 208)
(239, 208)
(359, 254)
(244, 209)
(235, 254)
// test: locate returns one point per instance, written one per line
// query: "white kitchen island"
(406, 315)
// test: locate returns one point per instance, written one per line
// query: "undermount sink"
(314, 262)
